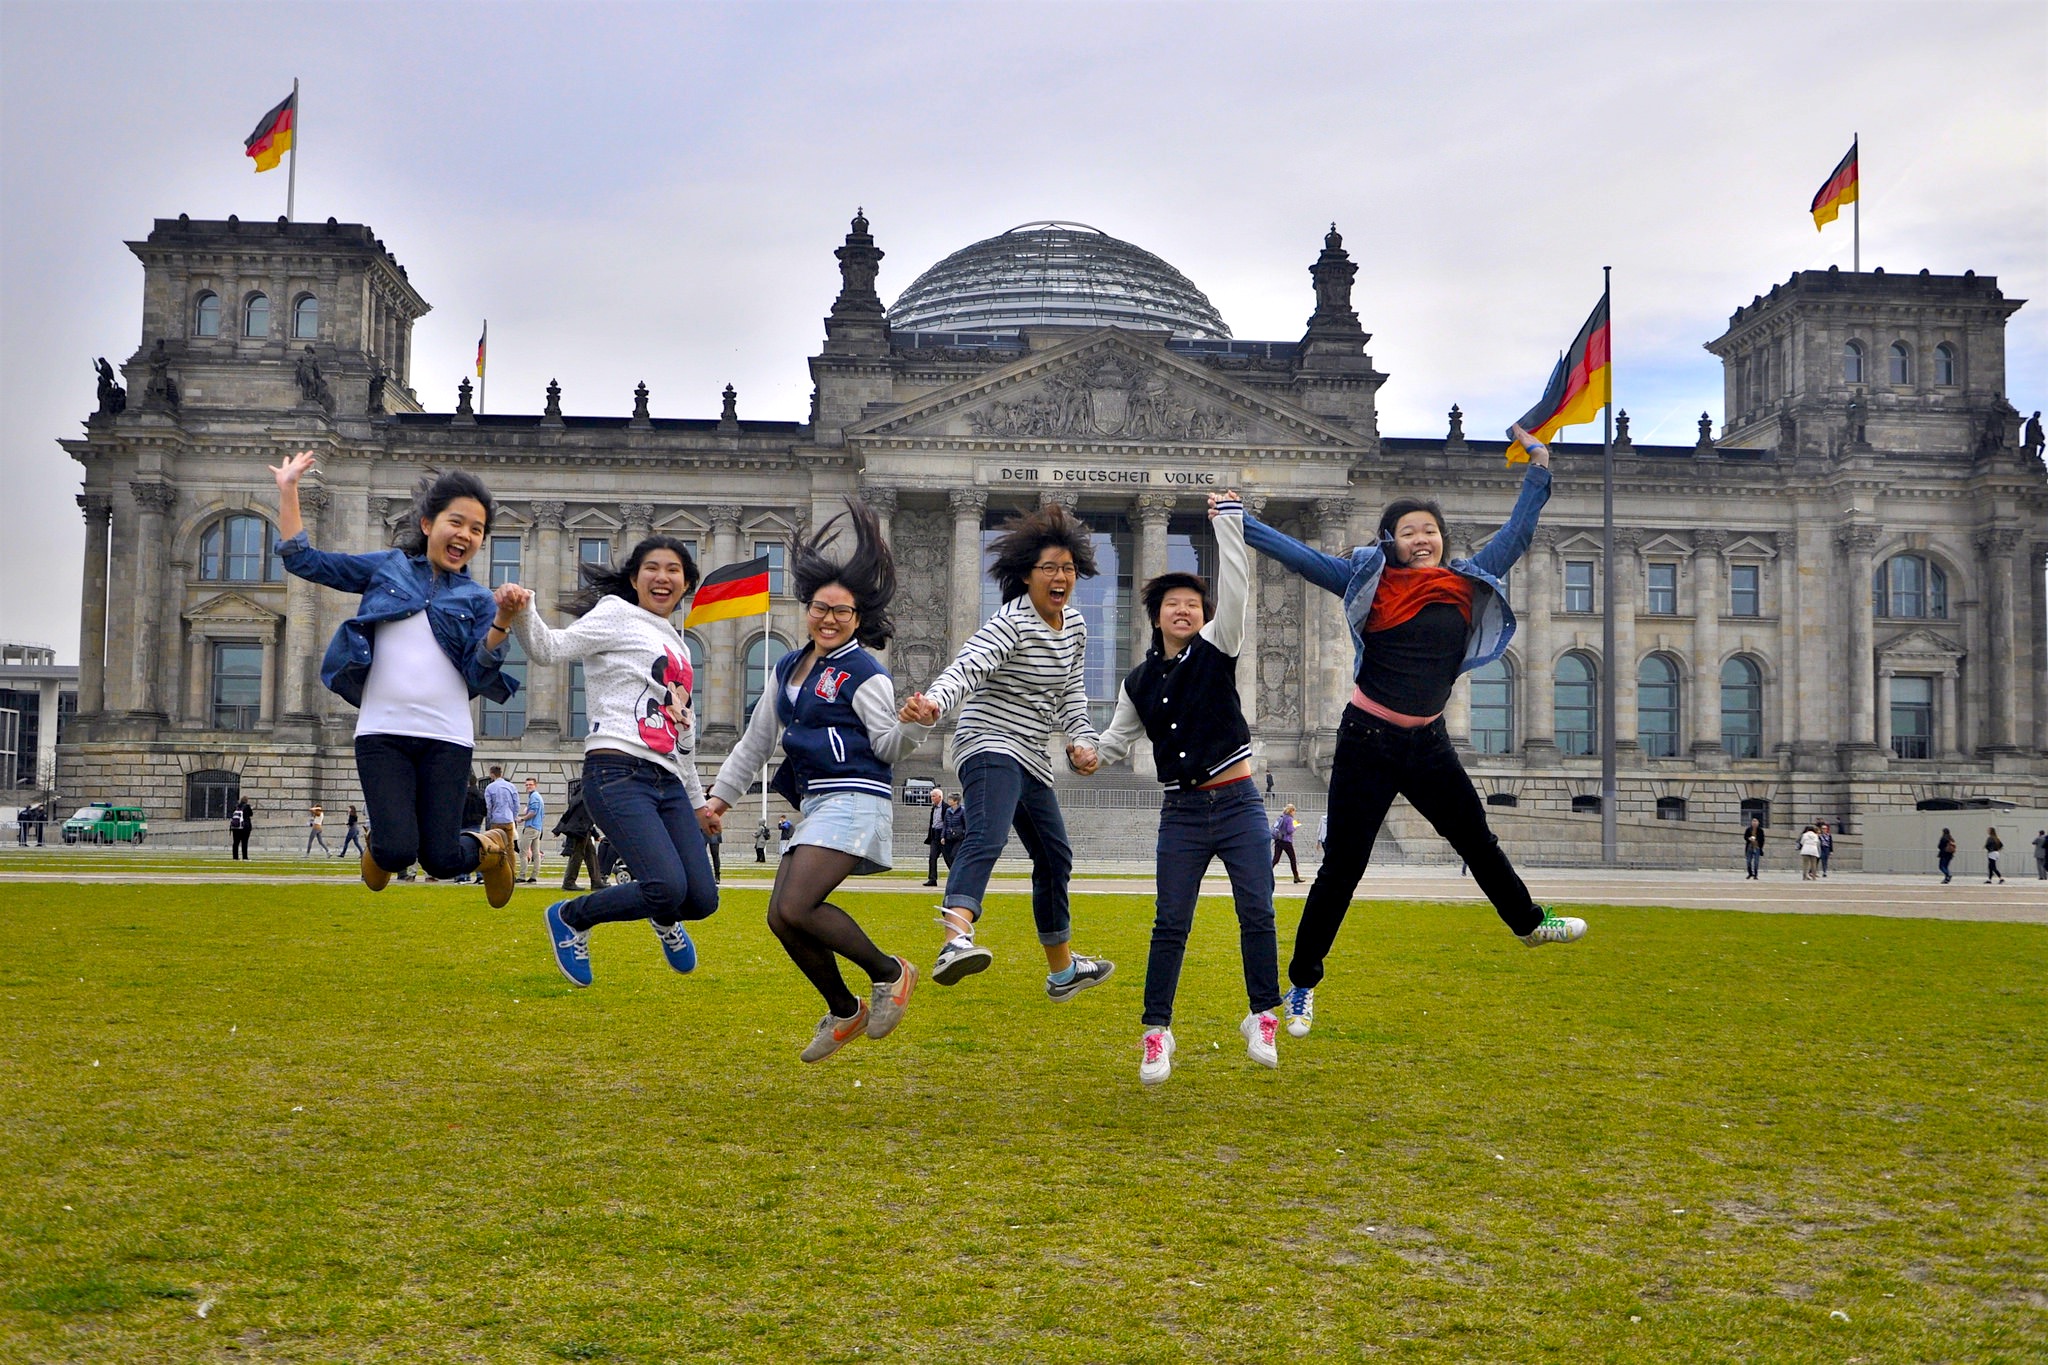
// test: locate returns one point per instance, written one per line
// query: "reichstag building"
(1831, 607)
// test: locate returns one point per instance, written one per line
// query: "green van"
(107, 824)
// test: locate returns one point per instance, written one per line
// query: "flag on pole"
(273, 136)
(1580, 385)
(1839, 190)
(486, 336)
(735, 590)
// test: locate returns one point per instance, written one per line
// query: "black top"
(1410, 668)
(1191, 712)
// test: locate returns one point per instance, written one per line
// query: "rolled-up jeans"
(646, 815)
(998, 796)
(1227, 822)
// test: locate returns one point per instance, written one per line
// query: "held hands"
(289, 473)
(710, 817)
(1539, 453)
(512, 599)
(918, 709)
(1227, 495)
(1084, 759)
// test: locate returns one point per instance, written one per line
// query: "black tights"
(812, 929)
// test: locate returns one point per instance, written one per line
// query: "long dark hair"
(1401, 507)
(430, 498)
(603, 580)
(1026, 536)
(869, 572)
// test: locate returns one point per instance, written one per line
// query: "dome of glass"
(1055, 274)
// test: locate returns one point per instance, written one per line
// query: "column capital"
(547, 515)
(1330, 513)
(154, 495)
(97, 507)
(1997, 542)
(1709, 542)
(964, 500)
(1628, 539)
(723, 516)
(1545, 538)
(1064, 497)
(881, 497)
(1255, 503)
(643, 512)
(315, 498)
(1856, 539)
(1155, 506)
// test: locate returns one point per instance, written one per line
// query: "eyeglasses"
(1051, 570)
(840, 613)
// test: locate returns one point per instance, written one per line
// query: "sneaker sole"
(963, 966)
(1076, 986)
(837, 1043)
(1302, 1032)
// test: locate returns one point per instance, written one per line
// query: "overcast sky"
(654, 191)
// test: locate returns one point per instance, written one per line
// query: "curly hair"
(868, 572)
(1030, 534)
(603, 580)
(431, 496)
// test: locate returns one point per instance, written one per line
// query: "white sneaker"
(1261, 1032)
(1158, 1056)
(1555, 929)
(1301, 1011)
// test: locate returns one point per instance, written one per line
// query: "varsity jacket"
(1188, 704)
(841, 734)
(1356, 576)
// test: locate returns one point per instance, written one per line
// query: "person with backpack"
(1945, 855)
(1283, 842)
(241, 820)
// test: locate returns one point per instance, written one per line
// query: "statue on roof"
(114, 398)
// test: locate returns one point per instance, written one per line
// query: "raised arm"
(892, 738)
(1233, 579)
(349, 573)
(1331, 573)
(1511, 542)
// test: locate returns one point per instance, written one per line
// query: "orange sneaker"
(835, 1033)
(891, 999)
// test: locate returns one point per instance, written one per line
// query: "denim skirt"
(851, 822)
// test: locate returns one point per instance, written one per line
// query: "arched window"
(700, 678)
(1504, 799)
(236, 549)
(1585, 805)
(206, 315)
(1742, 708)
(1945, 364)
(1899, 363)
(1657, 707)
(761, 657)
(306, 318)
(1577, 705)
(1852, 363)
(1756, 806)
(1909, 586)
(1493, 708)
(1670, 808)
(211, 793)
(256, 316)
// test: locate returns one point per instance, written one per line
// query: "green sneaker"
(1555, 929)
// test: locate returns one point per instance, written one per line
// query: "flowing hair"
(430, 498)
(868, 571)
(602, 580)
(1026, 536)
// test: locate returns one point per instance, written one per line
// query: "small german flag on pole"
(1579, 387)
(1840, 189)
(735, 590)
(273, 136)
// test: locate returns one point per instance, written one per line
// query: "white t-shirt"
(413, 689)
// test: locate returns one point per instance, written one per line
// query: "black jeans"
(238, 844)
(645, 813)
(1374, 763)
(414, 789)
(1227, 822)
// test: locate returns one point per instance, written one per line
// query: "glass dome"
(1055, 274)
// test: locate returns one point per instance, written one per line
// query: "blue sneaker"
(572, 946)
(1300, 1005)
(676, 946)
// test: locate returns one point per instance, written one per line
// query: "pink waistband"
(1373, 708)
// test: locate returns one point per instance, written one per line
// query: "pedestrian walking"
(935, 837)
(579, 837)
(1945, 855)
(1993, 846)
(761, 842)
(1827, 845)
(353, 834)
(1283, 842)
(314, 820)
(1753, 847)
(712, 845)
(2041, 855)
(241, 820)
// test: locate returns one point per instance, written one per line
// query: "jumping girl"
(1184, 697)
(1019, 675)
(835, 707)
(423, 642)
(640, 778)
(1416, 624)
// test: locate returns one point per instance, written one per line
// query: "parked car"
(107, 824)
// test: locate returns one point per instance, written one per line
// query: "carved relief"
(923, 545)
(1114, 396)
(1278, 604)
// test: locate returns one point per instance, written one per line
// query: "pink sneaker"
(1158, 1056)
(1261, 1037)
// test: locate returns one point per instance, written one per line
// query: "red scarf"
(1403, 592)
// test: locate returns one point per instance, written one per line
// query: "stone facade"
(1745, 575)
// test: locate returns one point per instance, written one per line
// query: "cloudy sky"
(654, 191)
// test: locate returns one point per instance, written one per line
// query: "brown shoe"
(374, 877)
(496, 864)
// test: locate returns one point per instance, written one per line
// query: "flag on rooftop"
(1840, 189)
(273, 135)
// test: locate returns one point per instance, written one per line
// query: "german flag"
(735, 590)
(1840, 190)
(1579, 387)
(273, 135)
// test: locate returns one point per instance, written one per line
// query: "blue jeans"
(646, 815)
(413, 789)
(998, 795)
(1751, 857)
(1195, 826)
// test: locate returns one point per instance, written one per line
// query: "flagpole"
(1608, 852)
(483, 382)
(291, 175)
(1856, 223)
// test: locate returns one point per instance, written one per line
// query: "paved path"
(2019, 900)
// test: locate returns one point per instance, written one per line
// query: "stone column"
(1882, 703)
(302, 619)
(154, 501)
(266, 703)
(722, 642)
(197, 708)
(1997, 546)
(1856, 544)
(639, 519)
(546, 687)
(965, 616)
(1539, 713)
(1627, 580)
(1154, 509)
(1945, 723)
(2037, 649)
(1330, 529)
(92, 611)
(1706, 641)
(881, 500)
(1787, 718)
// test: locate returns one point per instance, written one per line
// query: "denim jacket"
(394, 585)
(1356, 577)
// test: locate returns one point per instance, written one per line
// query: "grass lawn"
(303, 1123)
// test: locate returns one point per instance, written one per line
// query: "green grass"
(383, 1128)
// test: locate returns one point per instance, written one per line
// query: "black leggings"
(1284, 848)
(812, 929)
(1374, 763)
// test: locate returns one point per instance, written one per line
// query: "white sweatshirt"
(636, 682)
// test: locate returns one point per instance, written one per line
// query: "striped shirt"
(1021, 679)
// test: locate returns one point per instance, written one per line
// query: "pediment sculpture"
(1111, 396)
